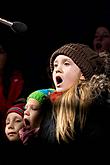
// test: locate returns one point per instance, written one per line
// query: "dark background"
(50, 25)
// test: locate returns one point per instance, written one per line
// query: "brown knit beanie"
(84, 57)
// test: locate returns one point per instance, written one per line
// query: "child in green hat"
(36, 109)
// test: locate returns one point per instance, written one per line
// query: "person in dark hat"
(77, 60)
(81, 90)
(11, 141)
(14, 121)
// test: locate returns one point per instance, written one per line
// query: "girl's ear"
(82, 77)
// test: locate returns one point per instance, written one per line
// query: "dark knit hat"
(84, 57)
(18, 108)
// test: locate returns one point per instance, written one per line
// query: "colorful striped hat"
(18, 108)
(41, 95)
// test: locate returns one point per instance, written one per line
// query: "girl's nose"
(100, 38)
(11, 125)
(58, 69)
(26, 113)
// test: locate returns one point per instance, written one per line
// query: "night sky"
(50, 25)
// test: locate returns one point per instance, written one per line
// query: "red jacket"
(14, 92)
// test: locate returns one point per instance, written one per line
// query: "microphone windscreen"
(19, 27)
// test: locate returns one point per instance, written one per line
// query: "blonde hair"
(65, 110)
(76, 101)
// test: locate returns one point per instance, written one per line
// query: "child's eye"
(18, 120)
(35, 109)
(67, 63)
(106, 35)
(55, 65)
(7, 123)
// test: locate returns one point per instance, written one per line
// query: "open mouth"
(98, 46)
(26, 123)
(59, 80)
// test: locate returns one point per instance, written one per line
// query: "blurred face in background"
(101, 41)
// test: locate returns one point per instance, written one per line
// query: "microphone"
(15, 26)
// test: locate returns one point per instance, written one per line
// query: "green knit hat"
(41, 95)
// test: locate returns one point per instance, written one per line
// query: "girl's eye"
(35, 109)
(55, 65)
(106, 35)
(7, 123)
(18, 120)
(67, 63)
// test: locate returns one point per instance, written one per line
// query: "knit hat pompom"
(41, 95)
(18, 108)
(83, 56)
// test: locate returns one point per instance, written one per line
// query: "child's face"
(65, 74)
(32, 114)
(14, 122)
(101, 40)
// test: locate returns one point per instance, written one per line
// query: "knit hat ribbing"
(41, 95)
(18, 108)
(84, 57)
